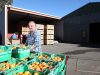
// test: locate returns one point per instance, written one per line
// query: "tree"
(5, 2)
(8, 2)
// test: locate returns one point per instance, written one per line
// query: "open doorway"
(94, 32)
(18, 21)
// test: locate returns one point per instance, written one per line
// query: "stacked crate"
(40, 28)
(46, 31)
(25, 30)
(48, 34)
(22, 26)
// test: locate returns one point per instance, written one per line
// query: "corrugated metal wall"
(76, 29)
(59, 31)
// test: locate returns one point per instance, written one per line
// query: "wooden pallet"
(40, 26)
(41, 31)
(49, 37)
(42, 36)
(50, 27)
(49, 32)
(25, 30)
(42, 41)
(48, 42)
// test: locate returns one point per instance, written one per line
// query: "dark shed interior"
(94, 32)
(18, 19)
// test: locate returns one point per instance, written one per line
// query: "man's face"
(31, 26)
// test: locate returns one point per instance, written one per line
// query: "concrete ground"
(88, 57)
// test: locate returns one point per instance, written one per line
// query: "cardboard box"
(15, 41)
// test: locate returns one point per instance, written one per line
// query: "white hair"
(32, 22)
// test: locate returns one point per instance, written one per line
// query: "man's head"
(32, 26)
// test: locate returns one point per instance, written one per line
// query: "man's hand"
(32, 49)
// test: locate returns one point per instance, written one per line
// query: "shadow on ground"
(92, 45)
(81, 51)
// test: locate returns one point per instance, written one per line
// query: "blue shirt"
(34, 38)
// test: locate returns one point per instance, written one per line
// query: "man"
(33, 37)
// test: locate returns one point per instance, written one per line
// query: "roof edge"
(34, 12)
(76, 9)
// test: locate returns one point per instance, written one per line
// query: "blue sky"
(58, 8)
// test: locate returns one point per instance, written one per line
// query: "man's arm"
(37, 42)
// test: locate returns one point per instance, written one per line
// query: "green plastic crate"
(9, 47)
(40, 73)
(62, 56)
(14, 69)
(6, 47)
(26, 69)
(4, 56)
(31, 71)
(34, 55)
(32, 61)
(3, 47)
(31, 57)
(59, 69)
(26, 60)
(49, 56)
(62, 63)
(54, 70)
(45, 72)
(63, 72)
(20, 53)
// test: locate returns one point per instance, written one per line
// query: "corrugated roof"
(91, 7)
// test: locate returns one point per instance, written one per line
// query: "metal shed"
(82, 25)
(11, 16)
